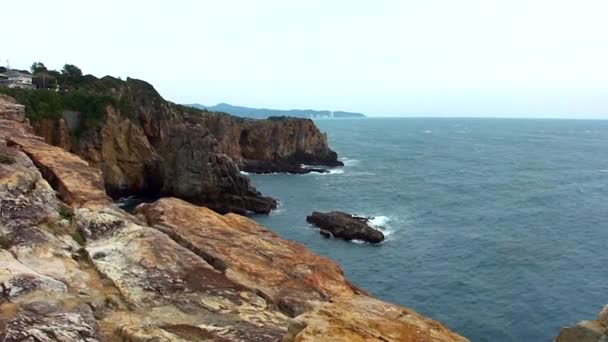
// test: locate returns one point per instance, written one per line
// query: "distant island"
(263, 113)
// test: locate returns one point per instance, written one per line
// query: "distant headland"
(264, 113)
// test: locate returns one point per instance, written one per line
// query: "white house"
(16, 79)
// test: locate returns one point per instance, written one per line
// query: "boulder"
(345, 226)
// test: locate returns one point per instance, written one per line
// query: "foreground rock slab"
(345, 226)
(362, 319)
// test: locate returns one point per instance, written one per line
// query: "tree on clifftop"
(71, 72)
(38, 67)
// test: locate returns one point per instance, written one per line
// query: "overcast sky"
(540, 58)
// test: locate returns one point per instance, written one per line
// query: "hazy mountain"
(262, 113)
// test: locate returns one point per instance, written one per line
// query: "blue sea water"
(496, 227)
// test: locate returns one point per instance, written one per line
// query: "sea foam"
(379, 221)
(349, 162)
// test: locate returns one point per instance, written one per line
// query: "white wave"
(245, 173)
(358, 242)
(428, 131)
(379, 221)
(605, 170)
(278, 211)
(348, 161)
(336, 171)
(382, 223)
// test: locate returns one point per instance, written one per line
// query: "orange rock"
(284, 272)
(78, 183)
(365, 319)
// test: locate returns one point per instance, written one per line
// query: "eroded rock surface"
(285, 273)
(345, 226)
(74, 267)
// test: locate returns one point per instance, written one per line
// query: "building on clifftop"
(16, 79)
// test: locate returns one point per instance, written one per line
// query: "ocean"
(495, 227)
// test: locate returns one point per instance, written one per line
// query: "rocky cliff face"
(278, 144)
(147, 145)
(74, 267)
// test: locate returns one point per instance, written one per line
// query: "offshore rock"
(345, 226)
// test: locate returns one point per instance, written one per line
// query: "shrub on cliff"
(43, 103)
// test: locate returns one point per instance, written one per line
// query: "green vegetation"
(5, 243)
(66, 214)
(79, 238)
(38, 67)
(44, 103)
(71, 74)
(71, 90)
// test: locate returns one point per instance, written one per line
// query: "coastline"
(154, 267)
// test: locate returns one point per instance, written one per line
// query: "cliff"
(77, 268)
(146, 145)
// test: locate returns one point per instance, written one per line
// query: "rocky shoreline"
(75, 267)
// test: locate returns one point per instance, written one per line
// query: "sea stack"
(345, 226)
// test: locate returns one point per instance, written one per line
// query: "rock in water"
(345, 226)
